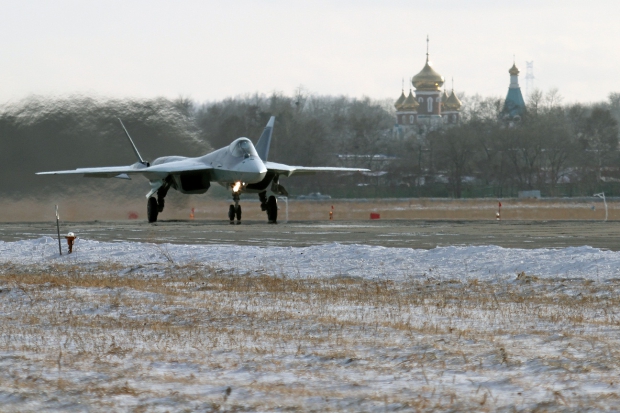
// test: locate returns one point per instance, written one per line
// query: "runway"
(387, 233)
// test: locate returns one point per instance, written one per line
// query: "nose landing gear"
(235, 210)
(269, 205)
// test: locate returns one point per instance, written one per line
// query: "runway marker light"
(498, 214)
(70, 237)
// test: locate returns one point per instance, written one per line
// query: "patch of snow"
(330, 260)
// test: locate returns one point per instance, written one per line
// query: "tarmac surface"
(387, 233)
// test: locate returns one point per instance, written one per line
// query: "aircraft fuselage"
(225, 166)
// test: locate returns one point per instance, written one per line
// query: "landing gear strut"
(161, 194)
(276, 188)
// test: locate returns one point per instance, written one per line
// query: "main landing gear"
(270, 205)
(155, 206)
(152, 209)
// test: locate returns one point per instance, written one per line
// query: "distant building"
(514, 105)
(429, 107)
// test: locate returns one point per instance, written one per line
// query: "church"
(429, 106)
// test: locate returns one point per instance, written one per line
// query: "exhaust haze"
(44, 134)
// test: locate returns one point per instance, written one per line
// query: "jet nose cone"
(252, 165)
(253, 169)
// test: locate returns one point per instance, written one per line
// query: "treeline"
(310, 130)
(44, 134)
(562, 150)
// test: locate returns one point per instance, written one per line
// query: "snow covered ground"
(488, 263)
(160, 327)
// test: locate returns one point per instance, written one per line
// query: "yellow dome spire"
(410, 104)
(453, 103)
(428, 78)
(400, 101)
(513, 70)
(444, 97)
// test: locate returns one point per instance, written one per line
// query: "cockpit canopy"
(242, 147)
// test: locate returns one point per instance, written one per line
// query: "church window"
(420, 100)
(429, 104)
(411, 119)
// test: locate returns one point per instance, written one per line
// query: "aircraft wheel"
(231, 213)
(152, 209)
(238, 214)
(272, 210)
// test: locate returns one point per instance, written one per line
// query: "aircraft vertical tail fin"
(262, 146)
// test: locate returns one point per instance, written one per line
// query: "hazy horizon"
(207, 51)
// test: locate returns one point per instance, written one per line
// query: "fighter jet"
(240, 167)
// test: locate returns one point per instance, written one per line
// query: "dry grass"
(423, 209)
(196, 338)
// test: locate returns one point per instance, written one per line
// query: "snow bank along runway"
(489, 263)
(326, 327)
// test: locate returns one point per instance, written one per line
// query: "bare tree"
(455, 149)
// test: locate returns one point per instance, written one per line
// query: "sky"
(210, 50)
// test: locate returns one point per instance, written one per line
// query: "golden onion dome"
(427, 79)
(410, 104)
(453, 103)
(400, 101)
(444, 97)
(513, 70)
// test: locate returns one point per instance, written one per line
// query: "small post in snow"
(58, 229)
(498, 215)
(602, 195)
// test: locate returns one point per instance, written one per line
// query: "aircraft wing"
(161, 170)
(102, 172)
(287, 170)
